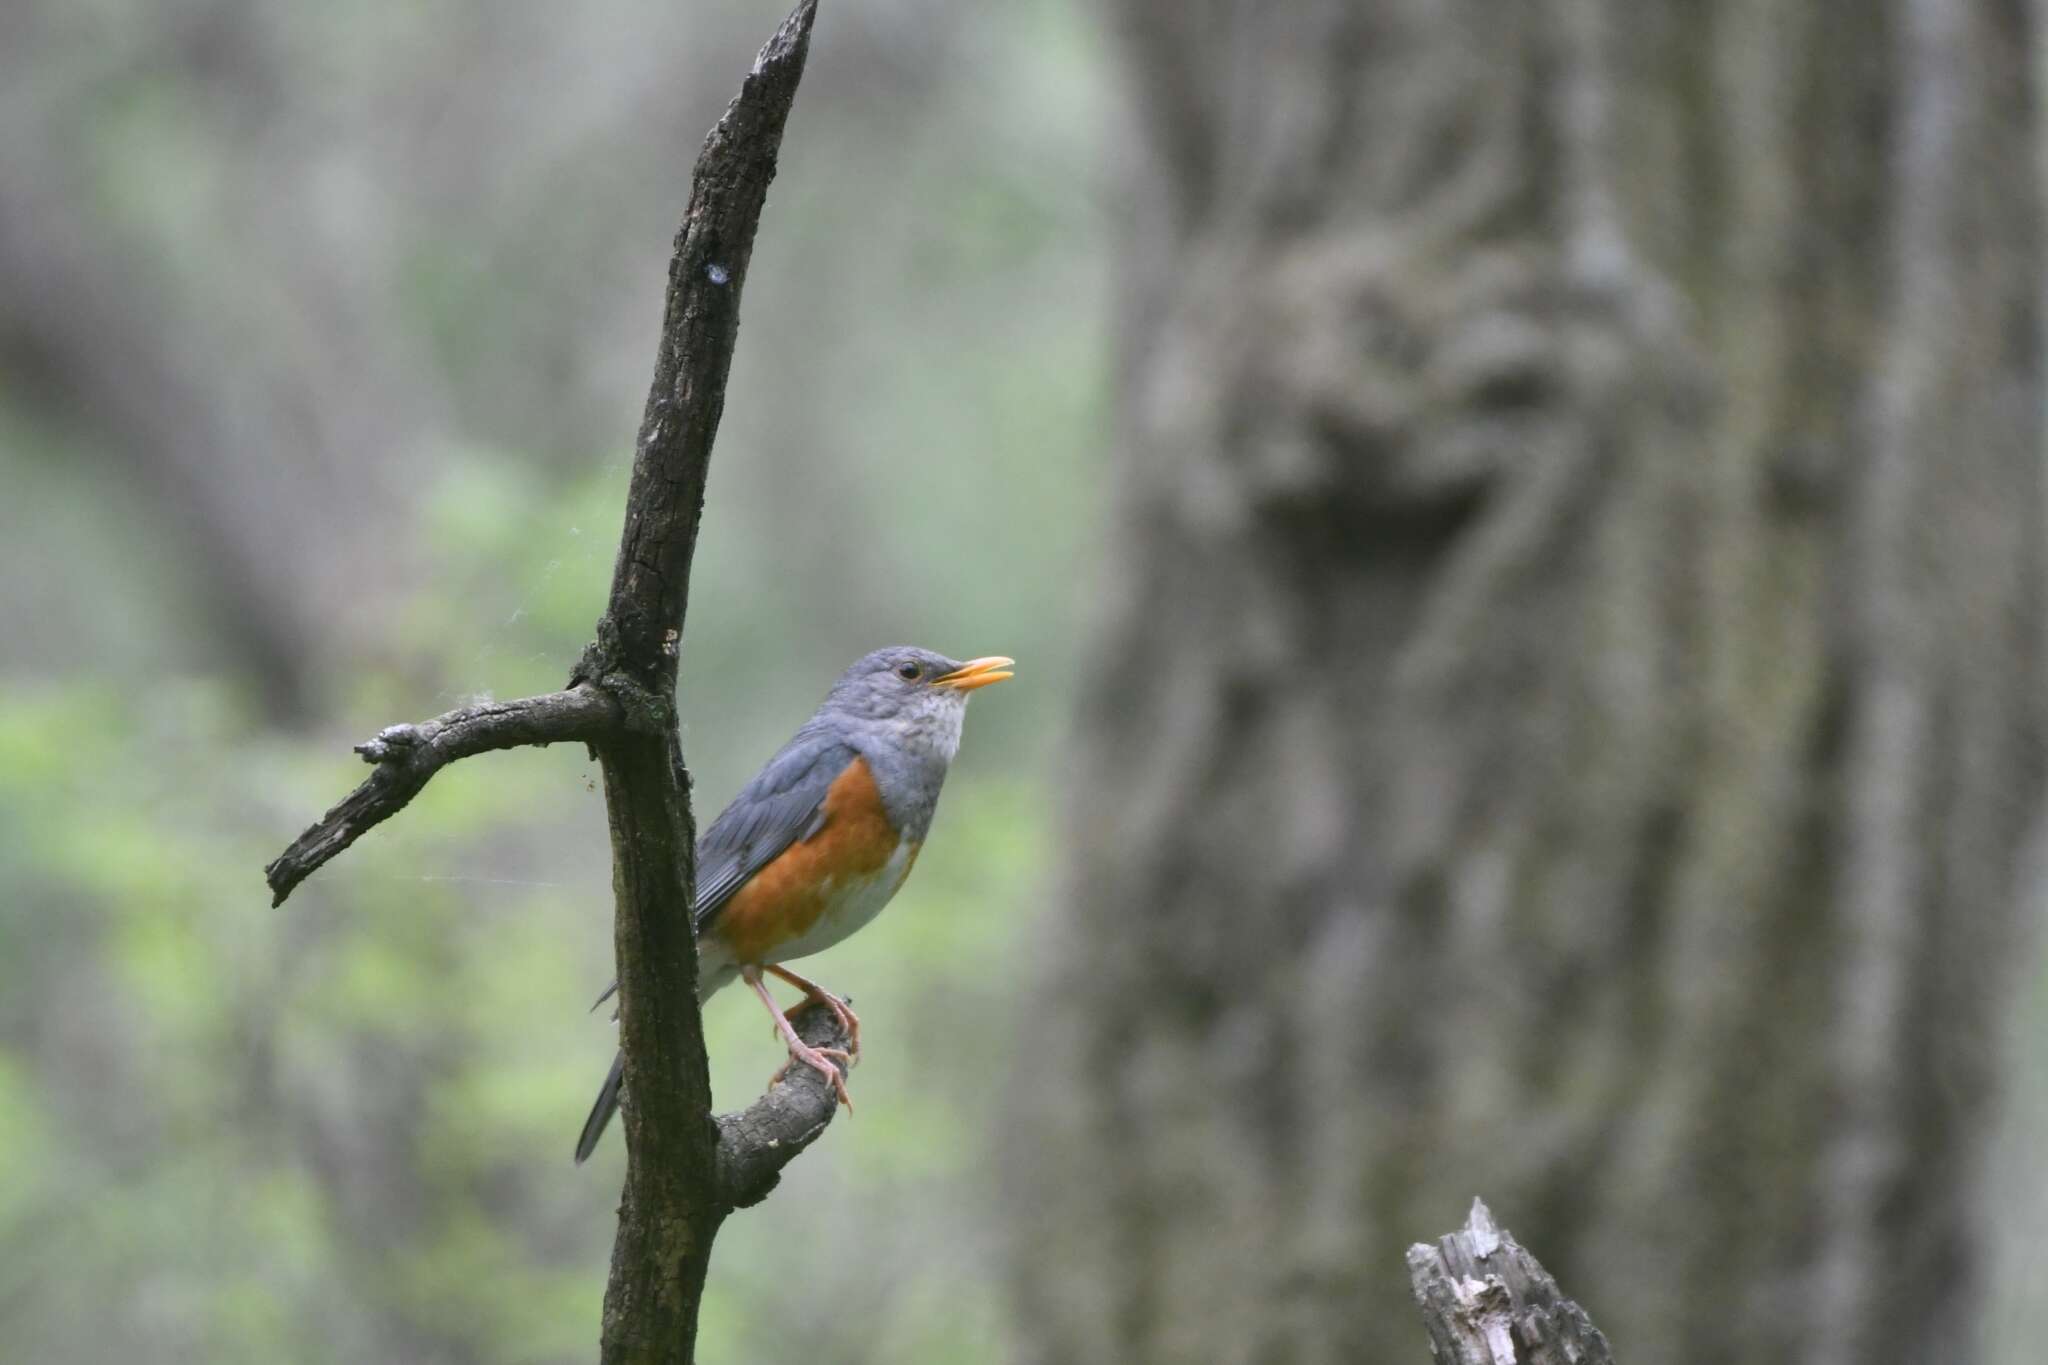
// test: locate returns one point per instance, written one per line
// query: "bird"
(819, 842)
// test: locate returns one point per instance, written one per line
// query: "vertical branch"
(651, 582)
(671, 1208)
(684, 1171)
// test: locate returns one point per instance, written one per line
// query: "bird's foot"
(842, 1010)
(821, 1060)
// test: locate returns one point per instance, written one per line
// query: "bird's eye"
(908, 672)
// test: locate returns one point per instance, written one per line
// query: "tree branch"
(1486, 1301)
(651, 582)
(671, 1207)
(684, 1172)
(406, 756)
(756, 1143)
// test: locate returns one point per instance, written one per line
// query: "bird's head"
(920, 695)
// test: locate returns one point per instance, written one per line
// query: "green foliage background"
(324, 332)
(340, 1130)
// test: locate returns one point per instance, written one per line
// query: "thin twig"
(406, 756)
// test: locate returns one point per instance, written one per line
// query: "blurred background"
(1524, 537)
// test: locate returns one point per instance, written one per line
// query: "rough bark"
(670, 1212)
(406, 757)
(1486, 1301)
(685, 1171)
(756, 1143)
(1568, 710)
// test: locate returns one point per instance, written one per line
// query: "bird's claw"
(821, 1059)
(814, 994)
(849, 1022)
(842, 1010)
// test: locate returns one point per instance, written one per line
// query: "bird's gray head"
(915, 696)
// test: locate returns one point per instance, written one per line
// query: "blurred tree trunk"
(1567, 724)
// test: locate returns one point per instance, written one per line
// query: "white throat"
(932, 730)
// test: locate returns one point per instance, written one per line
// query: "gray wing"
(783, 805)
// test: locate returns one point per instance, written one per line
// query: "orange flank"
(785, 900)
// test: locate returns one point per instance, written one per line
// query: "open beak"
(977, 673)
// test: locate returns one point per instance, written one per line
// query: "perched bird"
(818, 842)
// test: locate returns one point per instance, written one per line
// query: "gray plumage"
(883, 709)
(780, 807)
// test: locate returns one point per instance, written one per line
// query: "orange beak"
(977, 673)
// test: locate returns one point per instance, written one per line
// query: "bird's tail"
(602, 1111)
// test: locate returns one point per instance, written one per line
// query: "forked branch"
(673, 1200)
(684, 1171)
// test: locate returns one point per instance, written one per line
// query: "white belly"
(851, 911)
(852, 908)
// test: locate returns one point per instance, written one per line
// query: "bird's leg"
(841, 1010)
(819, 1059)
